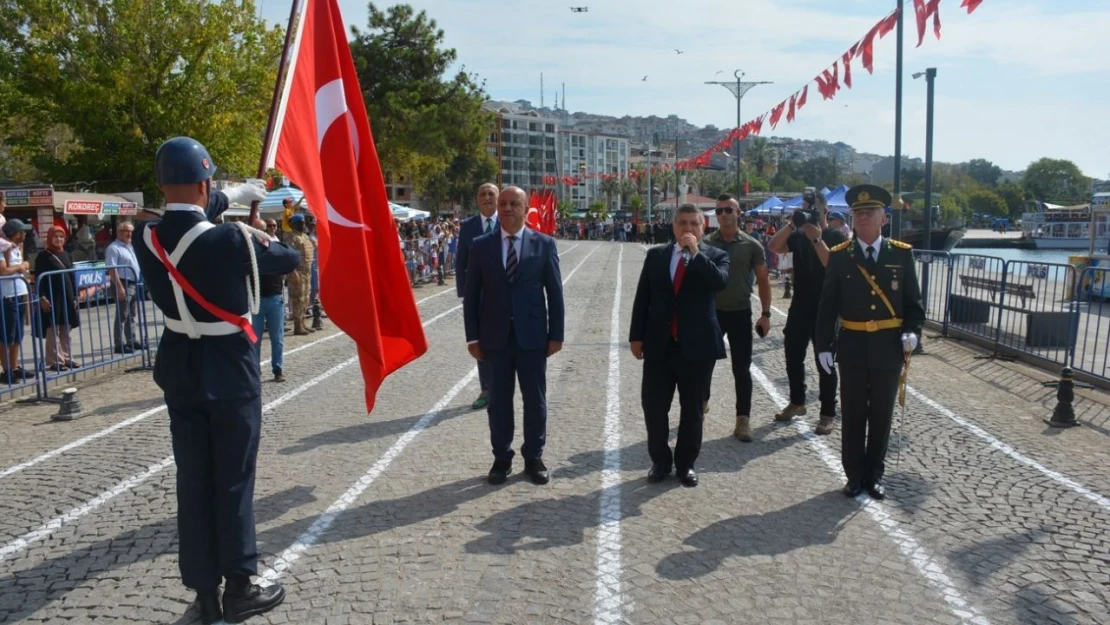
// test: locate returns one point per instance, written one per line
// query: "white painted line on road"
(56, 523)
(1007, 449)
(927, 566)
(53, 525)
(122, 424)
(1014, 454)
(322, 523)
(608, 603)
(312, 535)
(153, 411)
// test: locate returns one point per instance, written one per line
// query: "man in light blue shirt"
(123, 270)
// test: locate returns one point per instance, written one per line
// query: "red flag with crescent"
(321, 141)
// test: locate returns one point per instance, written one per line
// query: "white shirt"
(179, 206)
(505, 246)
(12, 286)
(676, 257)
(487, 221)
(877, 244)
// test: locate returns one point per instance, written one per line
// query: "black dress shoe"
(242, 601)
(536, 471)
(500, 472)
(688, 478)
(658, 473)
(208, 605)
(877, 490)
(853, 488)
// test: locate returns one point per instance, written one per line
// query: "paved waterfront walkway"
(991, 517)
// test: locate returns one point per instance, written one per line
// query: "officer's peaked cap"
(867, 196)
(183, 160)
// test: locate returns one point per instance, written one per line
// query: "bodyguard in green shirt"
(734, 305)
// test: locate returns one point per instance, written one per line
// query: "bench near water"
(1023, 291)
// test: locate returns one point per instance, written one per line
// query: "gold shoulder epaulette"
(841, 246)
(897, 243)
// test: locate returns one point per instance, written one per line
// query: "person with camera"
(734, 306)
(808, 237)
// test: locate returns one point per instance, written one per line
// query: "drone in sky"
(580, 9)
(678, 51)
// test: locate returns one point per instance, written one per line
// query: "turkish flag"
(971, 5)
(321, 140)
(533, 220)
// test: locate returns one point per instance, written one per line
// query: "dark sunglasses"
(726, 210)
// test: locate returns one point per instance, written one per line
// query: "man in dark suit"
(471, 228)
(512, 325)
(871, 286)
(675, 332)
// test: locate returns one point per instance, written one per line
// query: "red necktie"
(679, 273)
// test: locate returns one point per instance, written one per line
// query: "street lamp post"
(738, 89)
(930, 75)
(896, 211)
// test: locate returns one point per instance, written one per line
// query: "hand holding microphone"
(689, 245)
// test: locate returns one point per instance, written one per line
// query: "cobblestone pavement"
(990, 518)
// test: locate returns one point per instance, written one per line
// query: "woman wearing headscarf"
(57, 300)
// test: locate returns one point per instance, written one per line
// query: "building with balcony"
(589, 157)
(524, 143)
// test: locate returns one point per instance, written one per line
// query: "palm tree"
(637, 205)
(565, 208)
(610, 187)
(763, 158)
(598, 210)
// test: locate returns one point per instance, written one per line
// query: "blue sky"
(1017, 80)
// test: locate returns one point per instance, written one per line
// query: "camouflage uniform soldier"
(300, 281)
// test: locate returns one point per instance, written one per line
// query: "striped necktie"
(489, 225)
(510, 259)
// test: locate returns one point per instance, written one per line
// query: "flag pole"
(295, 5)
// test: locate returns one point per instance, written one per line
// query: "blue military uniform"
(209, 374)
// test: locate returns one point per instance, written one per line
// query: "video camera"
(806, 214)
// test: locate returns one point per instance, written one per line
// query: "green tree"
(1014, 196)
(610, 187)
(122, 76)
(565, 208)
(982, 171)
(913, 179)
(762, 157)
(821, 171)
(597, 210)
(425, 123)
(983, 201)
(637, 205)
(1056, 181)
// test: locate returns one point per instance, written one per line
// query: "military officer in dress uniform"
(198, 273)
(871, 286)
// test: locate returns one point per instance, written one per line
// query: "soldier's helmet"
(183, 160)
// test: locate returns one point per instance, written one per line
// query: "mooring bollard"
(787, 294)
(1063, 416)
(70, 407)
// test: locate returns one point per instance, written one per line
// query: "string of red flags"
(830, 81)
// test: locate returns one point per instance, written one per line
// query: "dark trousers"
(483, 375)
(737, 326)
(127, 308)
(215, 445)
(867, 409)
(800, 329)
(661, 378)
(506, 366)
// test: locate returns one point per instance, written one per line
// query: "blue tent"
(772, 205)
(836, 199)
(795, 202)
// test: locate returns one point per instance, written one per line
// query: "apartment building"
(524, 143)
(589, 157)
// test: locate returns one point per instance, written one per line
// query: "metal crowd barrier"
(103, 330)
(16, 323)
(1045, 310)
(1092, 298)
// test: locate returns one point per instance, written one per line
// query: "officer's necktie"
(871, 253)
(489, 225)
(510, 259)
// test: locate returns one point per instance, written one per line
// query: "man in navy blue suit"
(511, 325)
(484, 222)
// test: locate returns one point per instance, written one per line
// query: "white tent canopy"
(404, 213)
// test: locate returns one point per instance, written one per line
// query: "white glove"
(826, 360)
(909, 342)
(245, 193)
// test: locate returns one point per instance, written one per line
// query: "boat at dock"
(1052, 227)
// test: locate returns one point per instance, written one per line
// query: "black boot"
(316, 323)
(208, 605)
(242, 599)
